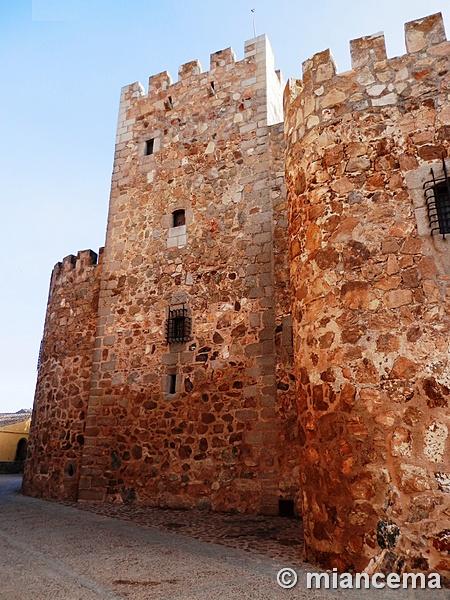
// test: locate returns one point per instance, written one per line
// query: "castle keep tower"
(191, 399)
(371, 291)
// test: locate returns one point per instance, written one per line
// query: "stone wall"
(62, 391)
(197, 423)
(371, 291)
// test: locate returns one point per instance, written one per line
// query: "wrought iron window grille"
(437, 197)
(178, 326)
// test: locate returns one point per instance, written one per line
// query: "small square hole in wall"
(178, 218)
(149, 147)
(286, 508)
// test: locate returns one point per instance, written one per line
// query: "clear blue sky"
(62, 65)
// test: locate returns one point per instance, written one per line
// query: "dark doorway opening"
(21, 451)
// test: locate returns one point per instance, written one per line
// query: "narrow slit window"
(168, 103)
(172, 384)
(149, 147)
(212, 89)
(437, 196)
(178, 218)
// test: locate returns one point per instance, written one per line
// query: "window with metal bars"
(178, 326)
(437, 196)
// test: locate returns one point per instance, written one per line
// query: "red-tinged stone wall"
(52, 469)
(220, 438)
(371, 289)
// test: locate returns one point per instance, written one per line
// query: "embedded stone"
(442, 541)
(333, 156)
(332, 98)
(387, 534)
(355, 294)
(421, 509)
(386, 419)
(443, 481)
(401, 444)
(413, 479)
(398, 298)
(327, 257)
(435, 392)
(435, 438)
(342, 186)
(403, 369)
(355, 197)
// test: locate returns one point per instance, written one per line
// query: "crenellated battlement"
(226, 75)
(375, 80)
(77, 265)
(162, 81)
(257, 51)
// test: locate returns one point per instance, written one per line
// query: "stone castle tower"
(187, 395)
(217, 358)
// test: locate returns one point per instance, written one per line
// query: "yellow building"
(14, 431)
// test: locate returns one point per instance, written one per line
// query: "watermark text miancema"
(288, 578)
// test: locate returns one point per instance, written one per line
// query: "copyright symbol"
(287, 578)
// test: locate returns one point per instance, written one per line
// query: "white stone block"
(385, 100)
(177, 231)
(126, 137)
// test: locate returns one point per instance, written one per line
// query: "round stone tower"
(371, 283)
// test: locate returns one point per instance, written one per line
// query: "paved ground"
(53, 551)
(273, 537)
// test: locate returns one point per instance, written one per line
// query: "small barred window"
(178, 326)
(437, 196)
